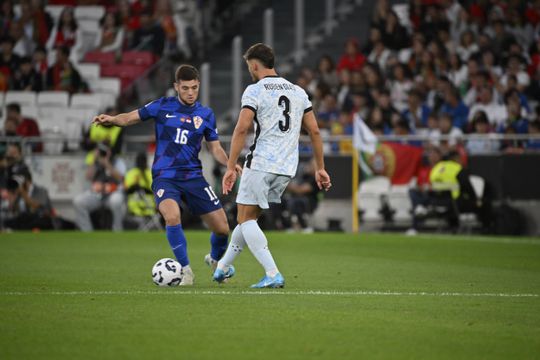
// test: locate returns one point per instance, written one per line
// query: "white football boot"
(187, 277)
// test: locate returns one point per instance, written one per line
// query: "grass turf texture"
(74, 295)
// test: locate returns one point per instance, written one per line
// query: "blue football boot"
(220, 275)
(270, 282)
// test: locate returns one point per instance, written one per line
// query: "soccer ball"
(167, 272)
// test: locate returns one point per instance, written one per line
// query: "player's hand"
(103, 119)
(238, 170)
(228, 181)
(323, 180)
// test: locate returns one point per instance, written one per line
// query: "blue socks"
(177, 240)
(219, 246)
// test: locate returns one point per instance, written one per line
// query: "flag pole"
(355, 190)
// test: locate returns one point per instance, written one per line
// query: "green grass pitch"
(372, 296)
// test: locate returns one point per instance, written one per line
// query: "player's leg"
(170, 210)
(217, 222)
(252, 199)
(225, 268)
(84, 204)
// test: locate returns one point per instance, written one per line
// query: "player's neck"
(267, 73)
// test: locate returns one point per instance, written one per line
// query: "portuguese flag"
(399, 162)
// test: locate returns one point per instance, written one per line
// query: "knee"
(116, 201)
(171, 218)
(222, 229)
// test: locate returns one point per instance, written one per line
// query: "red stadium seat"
(138, 58)
(103, 58)
(126, 72)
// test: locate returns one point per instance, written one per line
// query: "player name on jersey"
(277, 86)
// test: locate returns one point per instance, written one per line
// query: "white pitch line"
(270, 292)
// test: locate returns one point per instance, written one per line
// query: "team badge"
(160, 192)
(197, 121)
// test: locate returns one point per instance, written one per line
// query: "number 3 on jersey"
(181, 136)
(286, 103)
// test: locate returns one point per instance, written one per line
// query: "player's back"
(279, 108)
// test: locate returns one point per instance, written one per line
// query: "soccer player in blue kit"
(181, 123)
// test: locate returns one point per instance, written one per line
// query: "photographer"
(29, 205)
(106, 173)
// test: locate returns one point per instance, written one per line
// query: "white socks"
(234, 249)
(258, 244)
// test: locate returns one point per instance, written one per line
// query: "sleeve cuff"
(308, 109)
(250, 108)
(143, 114)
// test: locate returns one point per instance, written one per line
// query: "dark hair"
(480, 117)
(64, 50)
(72, 24)
(186, 72)
(261, 52)
(14, 107)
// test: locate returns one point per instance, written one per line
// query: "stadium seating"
(89, 12)
(144, 58)
(23, 98)
(86, 101)
(53, 98)
(369, 197)
(102, 58)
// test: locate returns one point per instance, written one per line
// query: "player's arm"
(245, 122)
(217, 151)
(309, 123)
(122, 120)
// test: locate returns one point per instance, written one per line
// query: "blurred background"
(429, 108)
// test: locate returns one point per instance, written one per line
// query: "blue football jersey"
(179, 133)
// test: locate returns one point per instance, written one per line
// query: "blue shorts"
(199, 197)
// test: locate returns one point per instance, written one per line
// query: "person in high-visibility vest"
(138, 186)
(449, 176)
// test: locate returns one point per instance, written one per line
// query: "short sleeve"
(150, 110)
(211, 132)
(249, 98)
(307, 103)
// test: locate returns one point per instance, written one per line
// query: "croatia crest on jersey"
(197, 121)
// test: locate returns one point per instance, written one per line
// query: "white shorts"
(260, 188)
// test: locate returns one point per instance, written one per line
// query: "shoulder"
(300, 90)
(253, 89)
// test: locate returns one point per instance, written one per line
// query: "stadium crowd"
(446, 67)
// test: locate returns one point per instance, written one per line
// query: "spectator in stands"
(326, 72)
(106, 172)
(38, 23)
(481, 126)
(328, 112)
(62, 76)
(14, 160)
(39, 63)
(7, 15)
(26, 78)
(500, 38)
(400, 85)
(534, 129)
(138, 187)
(516, 118)
(110, 37)
(9, 61)
(379, 55)
(467, 46)
(23, 45)
(352, 59)
(150, 36)
(301, 199)
(489, 63)
(454, 133)
(515, 68)
(416, 113)
(26, 127)
(28, 204)
(487, 102)
(384, 115)
(344, 87)
(478, 80)
(419, 194)
(164, 15)
(457, 73)
(454, 107)
(65, 33)
(394, 35)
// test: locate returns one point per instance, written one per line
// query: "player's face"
(188, 91)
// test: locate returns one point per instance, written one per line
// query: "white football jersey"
(279, 107)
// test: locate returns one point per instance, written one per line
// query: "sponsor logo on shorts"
(160, 192)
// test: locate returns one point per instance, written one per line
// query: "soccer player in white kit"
(279, 109)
